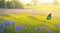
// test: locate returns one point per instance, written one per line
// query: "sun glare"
(8, 0)
(46, 1)
(39, 1)
(25, 1)
(58, 1)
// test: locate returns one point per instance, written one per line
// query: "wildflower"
(56, 25)
(2, 26)
(19, 28)
(13, 23)
(49, 31)
(1, 30)
(7, 23)
(38, 29)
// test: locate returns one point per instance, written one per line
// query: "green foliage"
(30, 24)
(2, 4)
(18, 4)
(11, 4)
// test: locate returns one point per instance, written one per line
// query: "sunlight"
(39, 1)
(45, 1)
(8, 0)
(58, 1)
(25, 1)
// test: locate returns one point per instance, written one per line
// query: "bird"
(49, 16)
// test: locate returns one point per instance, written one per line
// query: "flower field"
(28, 23)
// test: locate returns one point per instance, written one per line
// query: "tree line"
(14, 4)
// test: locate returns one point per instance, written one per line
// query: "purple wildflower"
(7, 23)
(1, 30)
(2, 26)
(49, 31)
(13, 23)
(56, 25)
(38, 29)
(19, 28)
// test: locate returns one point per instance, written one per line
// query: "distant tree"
(29, 4)
(10, 4)
(2, 4)
(18, 4)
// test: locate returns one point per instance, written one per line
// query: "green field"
(33, 23)
(45, 7)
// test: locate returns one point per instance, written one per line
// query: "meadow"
(45, 8)
(13, 21)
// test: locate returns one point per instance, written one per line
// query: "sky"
(39, 1)
(25, 1)
(46, 1)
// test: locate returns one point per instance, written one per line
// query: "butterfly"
(49, 16)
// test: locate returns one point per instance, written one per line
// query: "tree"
(10, 4)
(18, 4)
(2, 4)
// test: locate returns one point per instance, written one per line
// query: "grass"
(45, 7)
(33, 22)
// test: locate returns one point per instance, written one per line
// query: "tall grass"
(13, 23)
